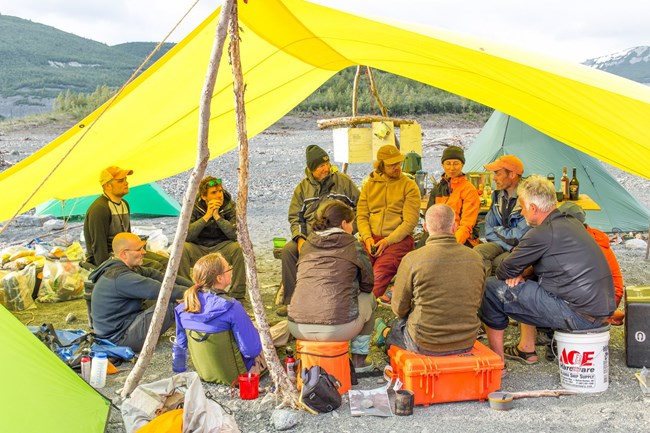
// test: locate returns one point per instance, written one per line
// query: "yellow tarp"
(289, 48)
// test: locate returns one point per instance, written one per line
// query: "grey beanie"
(315, 156)
(453, 152)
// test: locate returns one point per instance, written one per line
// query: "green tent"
(148, 200)
(39, 392)
(541, 154)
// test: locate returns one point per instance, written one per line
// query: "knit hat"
(315, 156)
(453, 152)
(113, 172)
(389, 154)
(508, 162)
(574, 210)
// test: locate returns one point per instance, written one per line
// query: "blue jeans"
(530, 304)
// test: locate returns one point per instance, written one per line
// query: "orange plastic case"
(439, 379)
(331, 355)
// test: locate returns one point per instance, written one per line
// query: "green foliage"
(41, 61)
(79, 105)
(401, 96)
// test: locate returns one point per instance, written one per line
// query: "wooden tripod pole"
(285, 391)
(202, 158)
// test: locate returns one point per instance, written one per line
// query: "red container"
(330, 355)
(249, 386)
(439, 379)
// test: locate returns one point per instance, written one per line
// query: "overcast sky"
(573, 30)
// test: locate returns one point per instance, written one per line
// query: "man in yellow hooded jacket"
(387, 212)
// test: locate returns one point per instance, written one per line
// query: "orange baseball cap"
(509, 162)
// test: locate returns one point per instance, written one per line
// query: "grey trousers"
(136, 333)
(493, 254)
(233, 254)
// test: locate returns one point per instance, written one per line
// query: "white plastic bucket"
(583, 358)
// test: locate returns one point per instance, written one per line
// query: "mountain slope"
(633, 63)
(41, 61)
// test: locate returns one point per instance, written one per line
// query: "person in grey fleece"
(122, 286)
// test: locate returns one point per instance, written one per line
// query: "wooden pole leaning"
(203, 156)
(285, 391)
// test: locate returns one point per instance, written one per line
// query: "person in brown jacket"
(437, 293)
(333, 299)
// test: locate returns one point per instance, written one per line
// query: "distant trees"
(80, 104)
(401, 95)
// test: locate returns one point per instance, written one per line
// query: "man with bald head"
(122, 285)
(437, 293)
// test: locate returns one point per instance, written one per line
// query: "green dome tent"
(148, 200)
(541, 154)
(39, 392)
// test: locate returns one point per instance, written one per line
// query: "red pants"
(385, 266)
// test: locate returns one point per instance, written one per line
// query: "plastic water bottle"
(179, 358)
(98, 370)
(85, 367)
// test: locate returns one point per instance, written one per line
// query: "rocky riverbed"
(277, 163)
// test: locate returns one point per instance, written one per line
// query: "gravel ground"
(277, 161)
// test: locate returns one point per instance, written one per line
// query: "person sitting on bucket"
(603, 242)
(574, 289)
(333, 299)
(428, 286)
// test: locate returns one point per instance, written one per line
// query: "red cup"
(249, 386)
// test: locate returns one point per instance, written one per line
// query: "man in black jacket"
(573, 288)
(109, 215)
(213, 229)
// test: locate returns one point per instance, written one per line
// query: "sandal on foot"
(513, 352)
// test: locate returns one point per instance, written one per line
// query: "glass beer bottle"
(574, 187)
(564, 185)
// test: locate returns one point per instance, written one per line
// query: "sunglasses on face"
(214, 182)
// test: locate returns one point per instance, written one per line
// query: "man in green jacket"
(437, 292)
(322, 182)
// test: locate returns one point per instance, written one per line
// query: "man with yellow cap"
(504, 223)
(387, 212)
(109, 215)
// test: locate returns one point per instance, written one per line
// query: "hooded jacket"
(220, 314)
(505, 232)
(568, 264)
(463, 198)
(309, 194)
(211, 233)
(387, 207)
(119, 293)
(603, 242)
(333, 269)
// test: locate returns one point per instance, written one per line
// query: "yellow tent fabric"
(289, 48)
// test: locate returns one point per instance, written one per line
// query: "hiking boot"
(385, 299)
(380, 327)
(282, 311)
(551, 349)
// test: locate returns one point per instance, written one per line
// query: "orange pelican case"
(439, 379)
